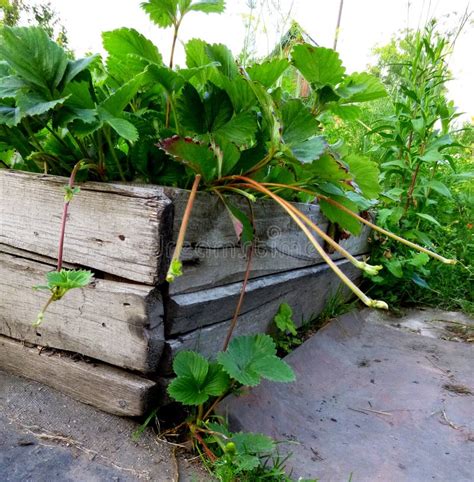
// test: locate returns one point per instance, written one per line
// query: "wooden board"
(107, 388)
(199, 321)
(213, 257)
(113, 228)
(119, 323)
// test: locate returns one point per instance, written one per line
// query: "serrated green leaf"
(161, 12)
(129, 53)
(197, 379)
(199, 157)
(227, 154)
(298, 123)
(34, 56)
(361, 87)
(335, 215)
(318, 65)
(253, 443)
(191, 364)
(75, 67)
(221, 54)
(186, 391)
(123, 128)
(309, 150)
(328, 168)
(168, 78)
(250, 358)
(68, 279)
(33, 104)
(116, 102)
(10, 86)
(190, 110)
(218, 109)
(366, 174)
(268, 72)
(347, 112)
(197, 58)
(9, 116)
(240, 129)
(124, 42)
(274, 369)
(208, 6)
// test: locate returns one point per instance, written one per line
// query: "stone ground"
(377, 398)
(46, 436)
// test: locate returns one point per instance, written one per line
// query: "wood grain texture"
(213, 257)
(107, 388)
(119, 323)
(199, 321)
(112, 228)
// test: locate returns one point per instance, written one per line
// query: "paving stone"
(46, 436)
(372, 402)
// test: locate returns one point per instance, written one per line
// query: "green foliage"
(244, 456)
(209, 118)
(251, 358)
(196, 379)
(422, 163)
(284, 319)
(166, 13)
(286, 337)
(59, 283)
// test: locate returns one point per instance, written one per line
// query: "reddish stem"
(207, 450)
(62, 233)
(241, 299)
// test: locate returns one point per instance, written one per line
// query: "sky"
(365, 24)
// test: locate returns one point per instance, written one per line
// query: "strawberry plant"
(201, 384)
(61, 281)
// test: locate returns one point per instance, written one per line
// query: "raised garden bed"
(111, 344)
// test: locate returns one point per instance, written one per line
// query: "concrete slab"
(371, 403)
(46, 436)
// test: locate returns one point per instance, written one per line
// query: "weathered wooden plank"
(107, 388)
(199, 321)
(113, 228)
(119, 323)
(212, 255)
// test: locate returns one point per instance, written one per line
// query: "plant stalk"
(364, 221)
(62, 233)
(241, 299)
(184, 226)
(360, 294)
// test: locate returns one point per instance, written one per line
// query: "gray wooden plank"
(115, 228)
(213, 257)
(107, 388)
(116, 322)
(199, 321)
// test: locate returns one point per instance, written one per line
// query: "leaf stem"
(241, 298)
(358, 264)
(364, 221)
(361, 295)
(183, 228)
(62, 233)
